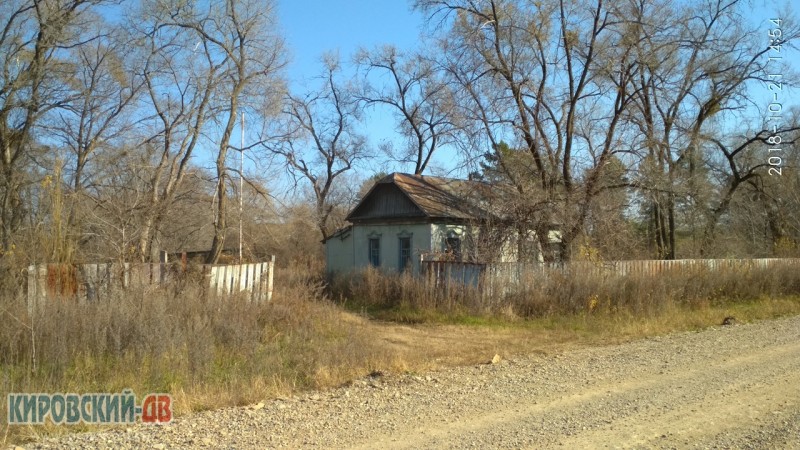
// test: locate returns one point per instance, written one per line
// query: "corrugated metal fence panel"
(270, 270)
(95, 282)
(213, 278)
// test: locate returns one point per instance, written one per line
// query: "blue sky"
(312, 27)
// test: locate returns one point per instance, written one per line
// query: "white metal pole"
(241, 190)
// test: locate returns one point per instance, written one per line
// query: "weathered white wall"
(470, 236)
(351, 252)
(339, 252)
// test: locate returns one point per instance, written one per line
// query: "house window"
(452, 245)
(405, 253)
(375, 252)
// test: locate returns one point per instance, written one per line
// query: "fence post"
(242, 277)
(248, 279)
(89, 272)
(223, 285)
(213, 279)
(162, 260)
(270, 272)
(255, 282)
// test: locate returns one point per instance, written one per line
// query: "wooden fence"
(254, 278)
(96, 282)
(504, 277)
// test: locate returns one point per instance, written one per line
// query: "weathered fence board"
(254, 278)
(95, 282)
(502, 277)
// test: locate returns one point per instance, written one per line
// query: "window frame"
(453, 245)
(404, 261)
(374, 250)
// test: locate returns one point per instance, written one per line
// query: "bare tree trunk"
(220, 221)
(670, 254)
(11, 213)
(248, 55)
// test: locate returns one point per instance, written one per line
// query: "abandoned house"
(404, 218)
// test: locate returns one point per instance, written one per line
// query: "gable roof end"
(431, 197)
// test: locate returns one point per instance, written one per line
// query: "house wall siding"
(470, 236)
(339, 252)
(386, 202)
(349, 251)
(352, 252)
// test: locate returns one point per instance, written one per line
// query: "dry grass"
(210, 353)
(562, 311)
(404, 298)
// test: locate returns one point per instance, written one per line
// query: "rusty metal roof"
(431, 197)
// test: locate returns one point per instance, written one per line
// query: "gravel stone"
(724, 387)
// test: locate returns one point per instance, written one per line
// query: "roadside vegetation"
(206, 352)
(641, 146)
(211, 353)
(405, 298)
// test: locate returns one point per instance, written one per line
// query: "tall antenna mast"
(241, 189)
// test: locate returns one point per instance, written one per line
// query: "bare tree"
(417, 95)
(322, 143)
(695, 65)
(578, 84)
(240, 37)
(102, 89)
(553, 78)
(33, 33)
(241, 58)
(180, 81)
(94, 118)
(742, 163)
(117, 202)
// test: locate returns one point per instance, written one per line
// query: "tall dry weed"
(548, 293)
(207, 351)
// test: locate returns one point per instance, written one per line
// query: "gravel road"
(726, 387)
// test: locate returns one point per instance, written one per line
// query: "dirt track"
(725, 387)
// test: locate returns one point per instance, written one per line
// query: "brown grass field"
(209, 352)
